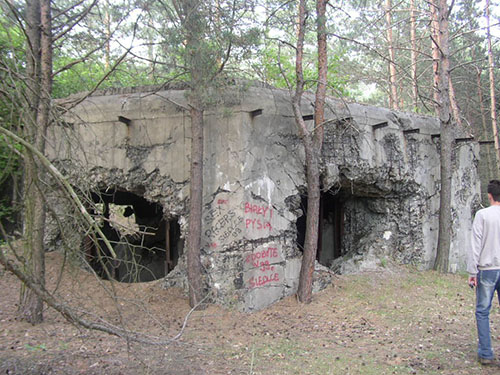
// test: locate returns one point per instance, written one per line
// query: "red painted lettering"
(263, 280)
(258, 210)
(250, 222)
(264, 266)
(271, 252)
(257, 224)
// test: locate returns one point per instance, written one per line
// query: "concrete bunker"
(380, 174)
(147, 245)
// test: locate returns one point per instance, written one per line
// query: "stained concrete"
(382, 165)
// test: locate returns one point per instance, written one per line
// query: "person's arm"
(475, 249)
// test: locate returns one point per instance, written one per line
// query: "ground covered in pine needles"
(392, 322)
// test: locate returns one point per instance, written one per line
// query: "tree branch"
(73, 317)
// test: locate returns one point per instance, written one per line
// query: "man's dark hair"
(494, 190)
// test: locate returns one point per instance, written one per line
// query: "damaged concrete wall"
(382, 166)
(389, 164)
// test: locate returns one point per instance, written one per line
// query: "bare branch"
(111, 70)
(75, 22)
(74, 316)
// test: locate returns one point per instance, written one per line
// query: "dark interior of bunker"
(331, 226)
(146, 245)
(348, 217)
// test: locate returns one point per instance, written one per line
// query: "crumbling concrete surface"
(380, 173)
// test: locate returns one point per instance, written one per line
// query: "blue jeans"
(487, 282)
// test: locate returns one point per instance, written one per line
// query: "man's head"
(494, 190)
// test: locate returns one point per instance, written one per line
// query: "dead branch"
(63, 183)
(75, 317)
(75, 22)
(98, 84)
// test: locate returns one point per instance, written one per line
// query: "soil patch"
(393, 322)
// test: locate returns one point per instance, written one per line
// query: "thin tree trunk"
(393, 98)
(491, 67)
(31, 307)
(194, 27)
(435, 35)
(413, 41)
(39, 69)
(454, 105)
(312, 144)
(435, 50)
(195, 206)
(491, 170)
(319, 104)
(443, 108)
(107, 55)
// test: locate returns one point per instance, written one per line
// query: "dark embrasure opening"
(147, 245)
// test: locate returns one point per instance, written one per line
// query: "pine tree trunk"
(39, 70)
(492, 172)
(491, 68)
(454, 105)
(193, 25)
(443, 108)
(435, 50)
(413, 41)
(107, 54)
(312, 145)
(304, 291)
(195, 206)
(393, 97)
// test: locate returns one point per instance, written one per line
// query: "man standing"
(483, 265)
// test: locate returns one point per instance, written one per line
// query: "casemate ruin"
(380, 184)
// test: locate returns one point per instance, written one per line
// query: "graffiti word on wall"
(222, 224)
(258, 217)
(264, 272)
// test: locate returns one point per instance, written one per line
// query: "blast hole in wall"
(331, 227)
(147, 245)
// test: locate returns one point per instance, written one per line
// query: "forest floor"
(392, 322)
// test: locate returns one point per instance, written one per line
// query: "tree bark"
(443, 108)
(193, 26)
(454, 105)
(30, 306)
(435, 50)
(492, 172)
(319, 103)
(107, 53)
(39, 70)
(312, 141)
(195, 206)
(491, 67)
(393, 97)
(413, 41)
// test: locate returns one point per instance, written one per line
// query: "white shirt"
(484, 252)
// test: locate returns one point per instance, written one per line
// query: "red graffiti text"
(263, 280)
(258, 224)
(269, 253)
(258, 210)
